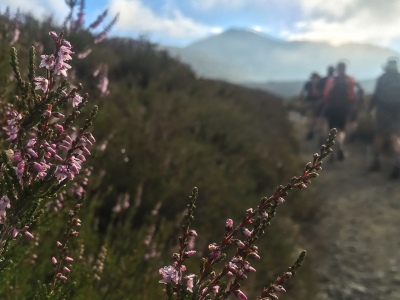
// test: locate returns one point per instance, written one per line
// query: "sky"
(180, 22)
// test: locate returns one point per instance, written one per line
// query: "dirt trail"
(359, 231)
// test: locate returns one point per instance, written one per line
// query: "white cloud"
(134, 16)
(38, 8)
(256, 28)
(343, 21)
(230, 4)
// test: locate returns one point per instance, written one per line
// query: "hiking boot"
(375, 165)
(340, 155)
(395, 174)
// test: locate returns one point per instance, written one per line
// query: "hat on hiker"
(391, 64)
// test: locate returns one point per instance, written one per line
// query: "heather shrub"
(160, 131)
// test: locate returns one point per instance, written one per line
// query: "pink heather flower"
(15, 36)
(232, 267)
(38, 167)
(74, 232)
(279, 288)
(58, 115)
(91, 138)
(48, 61)
(59, 244)
(13, 133)
(76, 100)
(249, 268)
(62, 147)
(97, 71)
(100, 37)
(103, 85)
(4, 203)
(29, 235)
(65, 53)
(215, 251)
(280, 200)
(58, 127)
(41, 83)
(12, 124)
(68, 259)
(17, 156)
(240, 244)
(53, 260)
(254, 255)
(31, 142)
(189, 282)
(53, 35)
(15, 233)
(264, 214)
(240, 295)
(62, 277)
(169, 274)
(19, 169)
(215, 290)
(61, 172)
(84, 54)
(247, 233)
(66, 270)
(61, 68)
(32, 153)
(85, 150)
(229, 225)
(66, 44)
(190, 253)
(193, 233)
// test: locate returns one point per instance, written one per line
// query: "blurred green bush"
(160, 132)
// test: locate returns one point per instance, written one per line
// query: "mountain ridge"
(247, 57)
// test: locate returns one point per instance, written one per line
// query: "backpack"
(338, 96)
(390, 91)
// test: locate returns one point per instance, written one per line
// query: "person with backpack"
(310, 98)
(339, 94)
(386, 101)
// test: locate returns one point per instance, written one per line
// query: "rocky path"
(358, 235)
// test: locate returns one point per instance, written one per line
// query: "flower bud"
(68, 259)
(240, 295)
(193, 233)
(229, 225)
(53, 35)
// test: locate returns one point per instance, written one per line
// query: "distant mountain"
(243, 56)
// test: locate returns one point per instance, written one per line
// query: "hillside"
(160, 132)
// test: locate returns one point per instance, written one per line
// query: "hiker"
(339, 93)
(321, 120)
(355, 107)
(329, 73)
(386, 101)
(310, 97)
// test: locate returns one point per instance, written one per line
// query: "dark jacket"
(387, 92)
